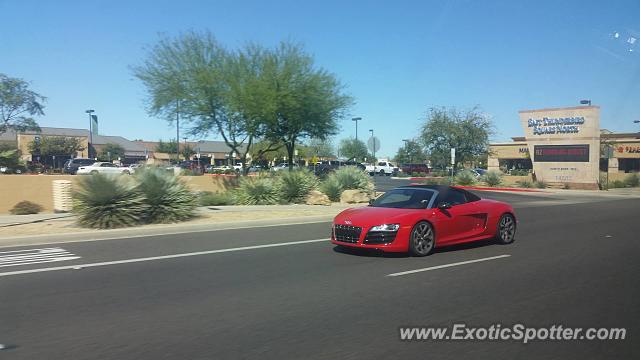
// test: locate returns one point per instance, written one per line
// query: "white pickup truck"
(384, 167)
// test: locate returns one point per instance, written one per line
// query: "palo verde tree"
(466, 131)
(353, 149)
(56, 146)
(304, 101)
(194, 76)
(411, 152)
(18, 104)
(111, 151)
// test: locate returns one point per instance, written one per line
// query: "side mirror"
(444, 205)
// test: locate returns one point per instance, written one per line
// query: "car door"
(459, 221)
(108, 168)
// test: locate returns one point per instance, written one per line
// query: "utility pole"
(373, 140)
(177, 132)
(90, 111)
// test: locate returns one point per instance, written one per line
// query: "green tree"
(411, 152)
(187, 151)
(18, 104)
(196, 78)
(56, 145)
(320, 148)
(467, 131)
(9, 156)
(303, 101)
(111, 151)
(354, 149)
(166, 147)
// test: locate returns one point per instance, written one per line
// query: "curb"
(481, 188)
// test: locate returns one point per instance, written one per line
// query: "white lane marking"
(162, 257)
(35, 256)
(448, 265)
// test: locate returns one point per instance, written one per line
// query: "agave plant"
(351, 178)
(493, 178)
(169, 199)
(257, 191)
(465, 178)
(295, 185)
(106, 202)
(332, 188)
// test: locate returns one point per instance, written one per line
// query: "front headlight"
(386, 227)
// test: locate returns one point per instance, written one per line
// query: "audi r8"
(419, 218)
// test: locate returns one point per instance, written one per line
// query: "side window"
(454, 197)
(382, 163)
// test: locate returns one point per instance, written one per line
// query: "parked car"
(478, 172)
(103, 168)
(384, 167)
(415, 168)
(71, 166)
(326, 166)
(284, 166)
(18, 169)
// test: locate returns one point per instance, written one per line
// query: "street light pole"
(373, 144)
(90, 111)
(356, 119)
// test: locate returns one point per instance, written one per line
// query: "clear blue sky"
(397, 58)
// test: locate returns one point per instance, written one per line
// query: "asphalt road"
(283, 292)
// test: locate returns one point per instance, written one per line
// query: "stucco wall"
(38, 188)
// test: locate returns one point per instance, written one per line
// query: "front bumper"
(399, 244)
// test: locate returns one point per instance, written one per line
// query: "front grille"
(347, 233)
(380, 237)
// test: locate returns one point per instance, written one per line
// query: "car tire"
(372, 174)
(126, 172)
(93, 172)
(506, 229)
(422, 239)
(382, 173)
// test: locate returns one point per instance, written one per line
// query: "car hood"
(371, 216)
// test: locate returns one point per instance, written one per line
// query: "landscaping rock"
(354, 197)
(315, 197)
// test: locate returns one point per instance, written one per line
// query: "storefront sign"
(560, 125)
(561, 153)
(628, 149)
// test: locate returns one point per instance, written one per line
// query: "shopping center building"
(566, 146)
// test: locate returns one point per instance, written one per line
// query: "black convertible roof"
(442, 189)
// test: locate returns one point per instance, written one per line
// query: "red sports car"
(418, 218)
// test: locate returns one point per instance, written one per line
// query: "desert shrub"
(169, 198)
(440, 173)
(332, 188)
(519, 172)
(257, 190)
(465, 178)
(25, 208)
(295, 185)
(540, 184)
(525, 184)
(106, 202)
(617, 184)
(352, 178)
(493, 178)
(632, 180)
(208, 198)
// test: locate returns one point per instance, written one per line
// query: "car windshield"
(405, 199)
